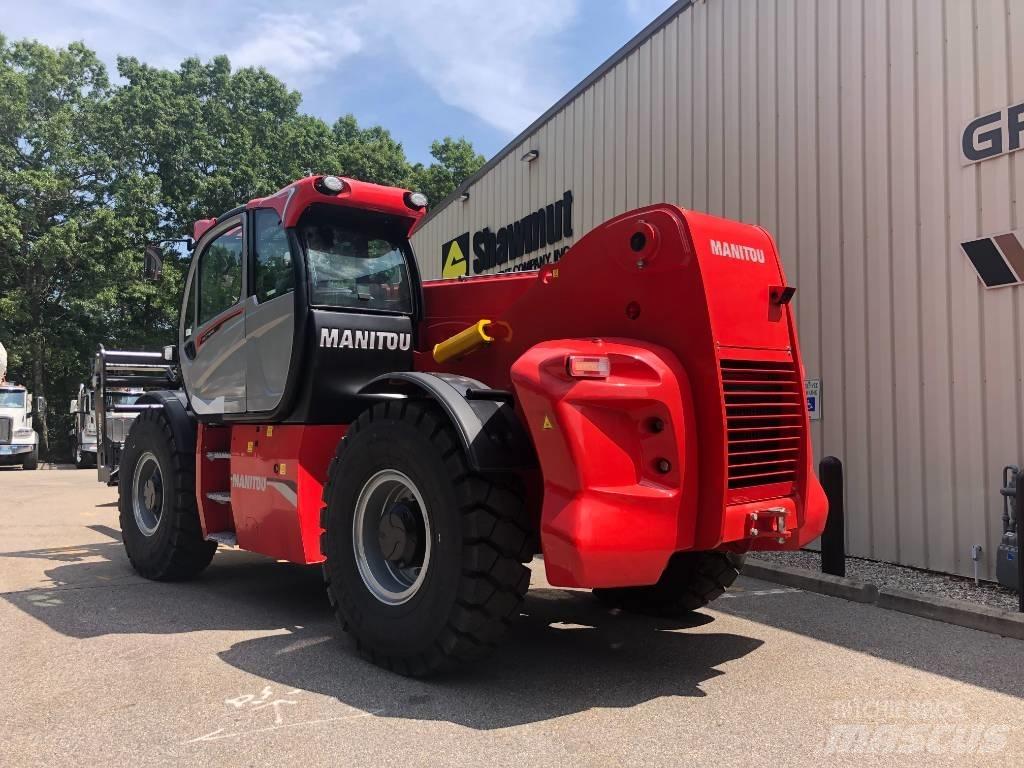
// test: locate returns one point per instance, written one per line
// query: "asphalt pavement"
(245, 666)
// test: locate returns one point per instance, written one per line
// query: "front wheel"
(690, 581)
(83, 459)
(32, 462)
(424, 558)
(156, 489)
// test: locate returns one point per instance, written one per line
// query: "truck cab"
(295, 301)
(84, 431)
(19, 443)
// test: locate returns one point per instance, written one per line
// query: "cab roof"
(292, 201)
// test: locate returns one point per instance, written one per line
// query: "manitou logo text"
(248, 482)
(348, 339)
(741, 252)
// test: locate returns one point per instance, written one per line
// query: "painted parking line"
(760, 592)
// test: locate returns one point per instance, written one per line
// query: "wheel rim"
(391, 537)
(147, 493)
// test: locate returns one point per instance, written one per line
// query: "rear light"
(588, 366)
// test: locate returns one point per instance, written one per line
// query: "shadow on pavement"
(566, 654)
(953, 652)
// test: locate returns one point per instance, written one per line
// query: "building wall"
(835, 124)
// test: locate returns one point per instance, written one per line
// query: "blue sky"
(425, 69)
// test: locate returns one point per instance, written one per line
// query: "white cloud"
(496, 60)
(294, 46)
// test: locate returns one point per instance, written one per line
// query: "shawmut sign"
(485, 249)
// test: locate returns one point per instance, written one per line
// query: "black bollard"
(1018, 514)
(833, 539)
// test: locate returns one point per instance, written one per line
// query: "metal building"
(876, 140)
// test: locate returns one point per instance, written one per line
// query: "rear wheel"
(424, 558)
(691, 580)
(159, 520)
(32, 462)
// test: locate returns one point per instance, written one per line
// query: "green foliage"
(456, 161)
(90, 171)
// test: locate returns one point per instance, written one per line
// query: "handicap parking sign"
(813, 387)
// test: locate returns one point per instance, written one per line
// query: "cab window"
(352, 267)
(273, 275)
(220, 275)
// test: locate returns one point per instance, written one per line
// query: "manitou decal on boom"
(636, 414)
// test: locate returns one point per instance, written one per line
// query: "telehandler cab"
(635, 412)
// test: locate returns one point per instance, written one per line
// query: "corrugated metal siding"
(836, 125)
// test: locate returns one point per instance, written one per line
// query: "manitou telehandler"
(635, 413)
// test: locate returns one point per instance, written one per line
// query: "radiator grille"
(5, 430)
(765, 419)
(118, 426)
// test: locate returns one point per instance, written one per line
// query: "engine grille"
(765, 415)
(118, 426)
(5, 430)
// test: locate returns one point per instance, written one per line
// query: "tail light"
(588, 366)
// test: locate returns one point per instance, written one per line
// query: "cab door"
(269, 312)
(213, 323)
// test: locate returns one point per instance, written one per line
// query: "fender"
(183, 423)
(490, 430)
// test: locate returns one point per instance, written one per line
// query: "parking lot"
(245, 666)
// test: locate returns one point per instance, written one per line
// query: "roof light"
(330, 185)
(588, 366)
(416, 200)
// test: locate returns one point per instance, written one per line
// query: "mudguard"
(490, 431)
(183, 423)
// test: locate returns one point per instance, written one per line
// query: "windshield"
(12, 398)
(349, 267)
(121, 398)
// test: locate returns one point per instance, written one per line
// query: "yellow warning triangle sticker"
(547, 422)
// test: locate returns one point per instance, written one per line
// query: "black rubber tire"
(480, 538)
(84, 460)
(32, 462)
(176, 550)
(690, 581)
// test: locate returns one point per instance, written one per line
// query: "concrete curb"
(835, 586)
(981, 617)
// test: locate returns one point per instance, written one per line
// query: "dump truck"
(83, 433)
(119, 379)
(635, 413)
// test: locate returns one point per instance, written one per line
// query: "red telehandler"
(635, 413)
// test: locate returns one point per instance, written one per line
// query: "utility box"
(1009, 551)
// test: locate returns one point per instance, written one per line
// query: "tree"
(456, 162)
(90, 172)
(56, 229)
(369, 154)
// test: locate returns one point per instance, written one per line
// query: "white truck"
(19, 443)
(84, 432)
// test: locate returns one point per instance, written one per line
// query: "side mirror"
(39, 407)
(74, 407)
(152, 262)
